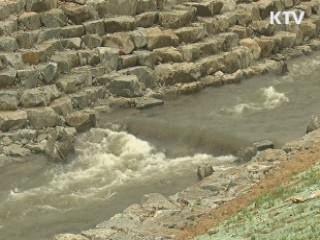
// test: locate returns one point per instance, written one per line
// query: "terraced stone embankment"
(62, 62)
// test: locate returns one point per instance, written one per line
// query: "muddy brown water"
(159, 153)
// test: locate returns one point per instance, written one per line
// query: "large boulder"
(82, 120)
(126, 86)
(42, 117)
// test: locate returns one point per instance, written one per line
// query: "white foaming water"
(117, 159)
(270, 99)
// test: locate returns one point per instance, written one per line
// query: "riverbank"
(65, 62)
(197, 209)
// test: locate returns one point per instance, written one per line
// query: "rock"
(8, 44)
(118, 8)
(147, 19)
(127, 61)
(155, 201)
(158, 39)
(66, 60)
(147, 102)
(27, 40)
(36, 56)
(170, 74)
(48, 71)
(242, 32)
(29, 21)
(12, 120)
(91, 41)
(16, 150)
(122, 103)
(146, 58)
(121, 40)
(71, 43)
(263, 27)
(70, 237)
(139, 38)
(35, 97)
(144, 74)
(8, 100)
(169, 54)
(146, 6)
(206, 8)
(79, 100)
(73, 82)
(42, 117)
(49, 34)
(82, 121)
(95, 27)
(53, 18)
(176, 18)
(72, 31)
(252, 45)
(63, 106)
(190, 88)
(107, 78)
(40, 5)
(7, 27)
(126, 86)
(266, 46)
(13, 60)
(313, 124)
(60, 143)
(189, 52)
(7, 78)
(263, 145)
(76, 13)
(109, 57)
(246, 154)
(271, 155)
(190, 34)
(88, 57)
(119, 24)
(29, 77)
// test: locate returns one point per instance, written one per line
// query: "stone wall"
(62, 61)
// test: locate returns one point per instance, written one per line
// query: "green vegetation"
(273, 216)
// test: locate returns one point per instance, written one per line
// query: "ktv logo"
(288, 15)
